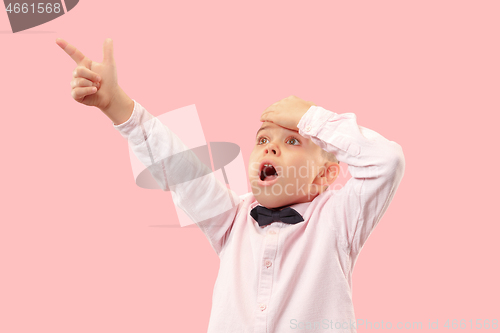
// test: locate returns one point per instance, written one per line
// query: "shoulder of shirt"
(248, 197)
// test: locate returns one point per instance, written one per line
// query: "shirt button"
(272, 232)
(268, 263)
(262, 307)
(308, 128)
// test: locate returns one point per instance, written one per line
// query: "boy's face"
(296, 160)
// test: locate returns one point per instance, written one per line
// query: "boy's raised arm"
(209, 203)
(195, 189)
(375, 163)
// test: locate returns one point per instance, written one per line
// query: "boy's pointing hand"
(287, 112)
(93, 84)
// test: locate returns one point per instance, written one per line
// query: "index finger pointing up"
(73, 52)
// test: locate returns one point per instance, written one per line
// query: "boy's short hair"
(329, 156)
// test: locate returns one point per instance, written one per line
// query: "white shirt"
(281, 277)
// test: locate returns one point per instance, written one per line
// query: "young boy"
(287, 249)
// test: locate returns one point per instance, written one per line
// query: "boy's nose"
(272, 149)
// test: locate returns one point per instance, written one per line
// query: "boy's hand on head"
(287, 112)
(89, 74)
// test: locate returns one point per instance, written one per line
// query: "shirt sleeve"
(375, 163)
(195, 189)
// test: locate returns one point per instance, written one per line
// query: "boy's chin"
(274, 201)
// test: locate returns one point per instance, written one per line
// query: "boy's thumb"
(108, 50)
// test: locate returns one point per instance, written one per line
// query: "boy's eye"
(294, 141)
(260, 140)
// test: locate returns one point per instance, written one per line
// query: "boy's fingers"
(73, 52)
(79, 93)
(265, 116)
(108, 51)
(81, 82)
(81, 71)
(268, 109)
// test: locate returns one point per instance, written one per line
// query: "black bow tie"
(266, 216)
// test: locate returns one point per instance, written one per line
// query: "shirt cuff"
(127, 127)
(313, 120)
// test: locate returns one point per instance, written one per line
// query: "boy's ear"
(328, 173)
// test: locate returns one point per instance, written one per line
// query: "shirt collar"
(299, 207)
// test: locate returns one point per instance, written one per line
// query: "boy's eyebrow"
(261, 129)
(266, 127)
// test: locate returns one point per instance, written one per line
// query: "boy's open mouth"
(268, 172)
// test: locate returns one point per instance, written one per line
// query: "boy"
(288, 248)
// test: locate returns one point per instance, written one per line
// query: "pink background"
(84, 249)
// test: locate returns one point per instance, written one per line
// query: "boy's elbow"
(397, 161)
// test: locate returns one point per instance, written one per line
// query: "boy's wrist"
(120, 107)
